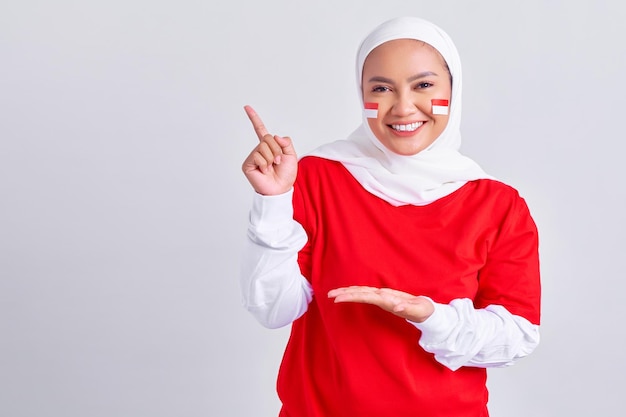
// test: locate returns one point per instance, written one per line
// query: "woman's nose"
(404, 105)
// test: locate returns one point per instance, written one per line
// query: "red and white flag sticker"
(440, 106)
(371, 110)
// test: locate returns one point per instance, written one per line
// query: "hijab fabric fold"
(418, 179)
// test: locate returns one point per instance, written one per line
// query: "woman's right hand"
(272, 165)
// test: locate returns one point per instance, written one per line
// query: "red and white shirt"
(473, 252)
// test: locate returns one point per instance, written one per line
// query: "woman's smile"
(406, 129)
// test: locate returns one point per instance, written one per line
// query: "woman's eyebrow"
(422, 75)
(379, 79)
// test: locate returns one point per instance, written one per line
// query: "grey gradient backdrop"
(123, 209)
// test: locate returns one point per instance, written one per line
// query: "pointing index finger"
(257, 123)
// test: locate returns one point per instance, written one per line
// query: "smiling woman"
(415, 74)
(404, 269)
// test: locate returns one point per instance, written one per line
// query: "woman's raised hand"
(402, 304)
(272, 165)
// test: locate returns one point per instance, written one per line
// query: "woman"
(404, 269)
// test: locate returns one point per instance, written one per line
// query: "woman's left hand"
(407, 306)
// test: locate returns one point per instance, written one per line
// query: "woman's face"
(403, 76)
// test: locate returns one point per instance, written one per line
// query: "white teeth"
(407, 128)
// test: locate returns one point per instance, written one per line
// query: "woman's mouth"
(411, 127)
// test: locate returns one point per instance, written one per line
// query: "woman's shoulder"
(496, 188)
(317, 171)
(317, 163)
(498, 196)
(494, 193)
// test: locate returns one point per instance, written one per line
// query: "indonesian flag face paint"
(440, 106)
(371, 110)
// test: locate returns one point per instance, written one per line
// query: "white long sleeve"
(273, 289)
(460, 335)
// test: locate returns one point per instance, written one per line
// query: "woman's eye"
(424, 84)
(380, 89)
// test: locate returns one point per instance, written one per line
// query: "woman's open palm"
(402, 304)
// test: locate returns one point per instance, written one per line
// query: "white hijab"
(416, 179)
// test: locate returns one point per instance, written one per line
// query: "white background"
(123, 209)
